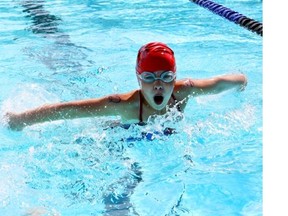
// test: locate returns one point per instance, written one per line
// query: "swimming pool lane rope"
(231, 15)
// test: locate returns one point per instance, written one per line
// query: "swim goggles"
(149, 77)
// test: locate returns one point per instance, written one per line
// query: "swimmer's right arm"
(109, 105)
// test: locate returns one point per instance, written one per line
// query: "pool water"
(56, 51)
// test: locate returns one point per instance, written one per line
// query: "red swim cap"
(155, 56)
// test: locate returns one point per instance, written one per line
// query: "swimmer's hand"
(14, 121)
(244, 83)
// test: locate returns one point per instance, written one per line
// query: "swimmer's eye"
(167, 76)
(149, 77)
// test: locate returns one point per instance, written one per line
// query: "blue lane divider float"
(231, 15)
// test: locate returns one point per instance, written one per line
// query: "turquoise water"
(67, 50)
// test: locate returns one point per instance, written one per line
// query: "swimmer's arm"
(216, 84)
(109, 105)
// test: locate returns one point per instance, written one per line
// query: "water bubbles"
(101, 69)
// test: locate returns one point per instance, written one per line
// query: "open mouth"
(158, 99)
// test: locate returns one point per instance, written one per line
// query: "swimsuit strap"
(177, 104)
(141, 106)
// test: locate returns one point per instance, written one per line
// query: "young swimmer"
(159, 90)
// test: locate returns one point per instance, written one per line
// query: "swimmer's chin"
(159, 107)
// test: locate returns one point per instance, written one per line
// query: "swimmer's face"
(157, 93)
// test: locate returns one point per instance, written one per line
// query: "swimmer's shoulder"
(129, 103)
(132, 96)
(184, 83)
(183, 88)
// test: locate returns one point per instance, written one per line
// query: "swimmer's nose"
(158, 87)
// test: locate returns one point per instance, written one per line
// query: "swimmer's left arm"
(215, 85)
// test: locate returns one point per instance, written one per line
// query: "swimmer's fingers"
(13, 122)
(243, 85)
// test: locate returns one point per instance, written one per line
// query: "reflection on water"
(61, 56)
(43, 21)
